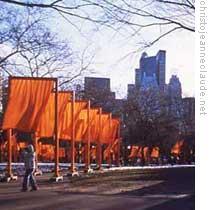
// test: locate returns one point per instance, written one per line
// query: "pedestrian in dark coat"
(30, 166)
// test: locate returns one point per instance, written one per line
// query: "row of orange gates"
(154, 152)
(143, 152)
(36, 105)
(45, 151)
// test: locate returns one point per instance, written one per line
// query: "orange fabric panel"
(61, 152)
(82, 150)
(155, 152)
(111, 132)
(22, 145)
(66, 123)
(134, 151)
(111, 150)
(114, 129)
(65, 126)
(176, 149)
(79, 128)
(82, 153)
(47, 152)
(106, 152)
(94, 128)
(39, 147)
(112, 135)
(93, 153)
(115, 145)
(146, 153)
(27, 100)
(93, 116)
(81, 124)
(139, 153)
(105, 131)
(47, 120)
(13, 140)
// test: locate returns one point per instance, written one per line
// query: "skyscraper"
(174, 93)
(175, 87)
(151, 71)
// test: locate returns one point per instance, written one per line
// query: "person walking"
(30, 166)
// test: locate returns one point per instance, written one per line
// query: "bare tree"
(82, 65)
(134, 16)
(29, 47)
(185, 116)
(148, 121)
(162, 16)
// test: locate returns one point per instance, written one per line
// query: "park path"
(139, 190)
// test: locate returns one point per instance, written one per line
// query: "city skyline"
(116, 55)
(97, 101)
(147, 74)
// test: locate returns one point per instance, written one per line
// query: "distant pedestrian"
(138, 162)
(30, 166)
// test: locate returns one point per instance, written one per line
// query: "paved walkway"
(165, 190)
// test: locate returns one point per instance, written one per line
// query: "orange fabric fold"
(47, 120)
(27, 100)
(62, 153)
(105, 131)
(176, 149)
(107, 152)
(112, 137)
(66, 123)
(92, 119)
(139, 153)
(94, 128)
(134, 151)
(155, 152)
(47, 152)
(115, 123)
(93, 153)
(146, 153)
(114, 147)
(111, 149)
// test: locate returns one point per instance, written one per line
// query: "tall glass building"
(151, 69)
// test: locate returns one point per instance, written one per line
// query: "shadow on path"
(173, 182)
(187, 203)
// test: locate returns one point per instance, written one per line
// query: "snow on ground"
(105, 166)
(147, 167)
